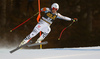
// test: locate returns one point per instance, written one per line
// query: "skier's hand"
(75, 19)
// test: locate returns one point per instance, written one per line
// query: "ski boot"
(24, 42)
(38, 41)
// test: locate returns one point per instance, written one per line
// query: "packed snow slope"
(56, 53)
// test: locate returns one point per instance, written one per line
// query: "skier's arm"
(66, 18)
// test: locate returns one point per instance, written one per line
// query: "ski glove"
(75, 19)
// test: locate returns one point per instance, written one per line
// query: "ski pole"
(24, 22)
(64, 29)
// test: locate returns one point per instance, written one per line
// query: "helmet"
(55, 6)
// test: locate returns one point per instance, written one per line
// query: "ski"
(35, 44)
(20, 47)
(29, 45)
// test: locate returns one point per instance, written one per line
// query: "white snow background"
(55, 53)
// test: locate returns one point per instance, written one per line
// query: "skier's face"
(54, 11)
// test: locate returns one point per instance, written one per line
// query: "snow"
(55, 53)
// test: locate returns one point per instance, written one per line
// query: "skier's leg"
(46, 31)
(41, 37)
(35, 31)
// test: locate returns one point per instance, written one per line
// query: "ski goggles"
(54, 8)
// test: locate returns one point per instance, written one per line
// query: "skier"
(44, 24)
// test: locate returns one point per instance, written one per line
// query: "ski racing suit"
(44, 25)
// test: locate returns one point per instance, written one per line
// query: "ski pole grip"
(58, 38)
(10, 30)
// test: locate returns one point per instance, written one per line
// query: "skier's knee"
(32, 34)
(48, 31)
